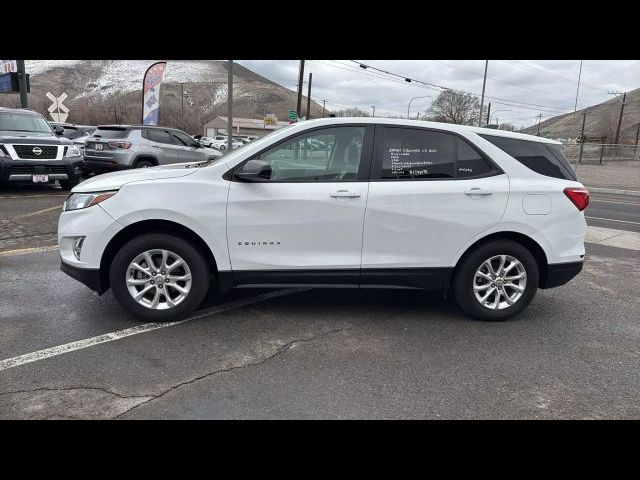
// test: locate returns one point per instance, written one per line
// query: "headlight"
(73, 151)
(76, 201)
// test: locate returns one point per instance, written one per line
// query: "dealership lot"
(313, 353)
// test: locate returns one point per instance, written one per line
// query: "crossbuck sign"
(54, 109)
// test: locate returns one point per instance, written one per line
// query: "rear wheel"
(143, 163)
(496, 281)
(159, 277)
(69, 184)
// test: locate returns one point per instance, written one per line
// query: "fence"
(603, 153)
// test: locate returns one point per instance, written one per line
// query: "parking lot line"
(24, 251)
(38, 212)
(612, 220)
(147, 327)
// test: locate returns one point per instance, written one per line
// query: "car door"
(162, 145)
(186, 149)
(431, 191)
(305, 222)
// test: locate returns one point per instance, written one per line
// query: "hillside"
(109, 91)
(602, 121)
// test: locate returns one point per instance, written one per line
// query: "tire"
(222, 147)
(121, 272)
(465, 280)
(143, 164)
(69, 184)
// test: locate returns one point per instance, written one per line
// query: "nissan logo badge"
(36, 150)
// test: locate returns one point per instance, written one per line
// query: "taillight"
(579, 197)
(119, 144)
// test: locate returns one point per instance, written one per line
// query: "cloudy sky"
(518, 90)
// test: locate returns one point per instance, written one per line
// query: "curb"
(633, 193)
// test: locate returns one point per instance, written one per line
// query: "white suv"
(487, 215)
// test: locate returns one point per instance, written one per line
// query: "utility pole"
(300, 81)
(309, 97)
(182, 109)
(578, 90)
(373, 114)
(624, 98)
(584, 120)
(489, 113)
(637, 138)
(230, 105)
(22, 79)
(484, 84)
(539, 118)
(323, 109)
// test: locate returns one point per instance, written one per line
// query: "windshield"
(263, 141)
(21, 122)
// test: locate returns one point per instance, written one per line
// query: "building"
(241, 126)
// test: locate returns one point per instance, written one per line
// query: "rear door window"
(159, 136)
(410, 153)
(543, 158)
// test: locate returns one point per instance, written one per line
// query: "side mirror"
(59, 130)
(254, 171)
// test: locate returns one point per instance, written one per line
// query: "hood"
(11, 136)
(114, 180)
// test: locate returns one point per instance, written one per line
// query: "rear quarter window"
(543, 158)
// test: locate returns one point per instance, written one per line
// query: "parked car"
(205, 141)
(223, 144)
(72, 131)
(487, 216)
(117, 147)
(31, 151)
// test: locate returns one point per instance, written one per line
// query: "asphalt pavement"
(66, 352)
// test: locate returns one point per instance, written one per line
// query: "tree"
(452, 106)
(352, 112)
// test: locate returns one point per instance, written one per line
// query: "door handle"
(344, 194)
(478, 191)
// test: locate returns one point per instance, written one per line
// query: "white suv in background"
(488, 215)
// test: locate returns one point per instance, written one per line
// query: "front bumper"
(560, 273)
(88, 276)
(22, 170)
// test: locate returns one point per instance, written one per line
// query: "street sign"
(54, 109)
(8, 66)
(270, 119)
(10, 83)
(293, 115)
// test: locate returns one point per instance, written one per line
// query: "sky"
(519, 90)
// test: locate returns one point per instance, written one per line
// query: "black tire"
(197, 264)
(143, 163)
(463, 280)
(69, 184)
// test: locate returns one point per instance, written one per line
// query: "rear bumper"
(560, 273)
(88, 276)
(103, 165)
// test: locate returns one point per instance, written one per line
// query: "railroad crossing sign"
(54, 109)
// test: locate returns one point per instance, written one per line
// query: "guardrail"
(600, 153)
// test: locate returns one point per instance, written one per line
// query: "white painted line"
(34, 196)
(612, 220)
(597, 200)
(44, 210)
(147, 327)
(24, 251)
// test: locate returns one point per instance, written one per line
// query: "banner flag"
(151, 92)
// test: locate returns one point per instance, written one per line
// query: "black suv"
(30, 151)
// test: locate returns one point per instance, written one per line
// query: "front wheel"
(496, 281)
(159, 277)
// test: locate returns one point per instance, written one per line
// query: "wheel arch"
(152, 226)
(526, 241)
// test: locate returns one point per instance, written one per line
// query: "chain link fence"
(601, 154)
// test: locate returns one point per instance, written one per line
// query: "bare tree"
(352, 112)
(452, 106)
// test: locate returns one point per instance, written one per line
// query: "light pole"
(496, 111)
(414, 98)
(373, 115)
